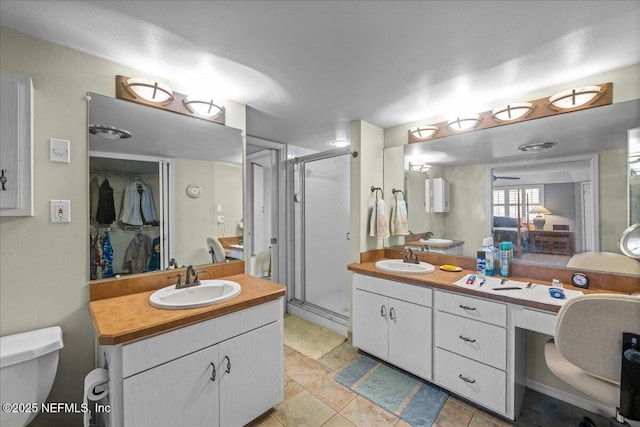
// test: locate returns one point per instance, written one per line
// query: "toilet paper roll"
(95, 388)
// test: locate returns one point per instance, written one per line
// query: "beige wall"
(366, 171)
(44, 267)
(221, 185)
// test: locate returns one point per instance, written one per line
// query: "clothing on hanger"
(138, 253)
(138, 207)
(94, 197)
(106, 212)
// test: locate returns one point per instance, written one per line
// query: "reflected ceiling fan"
(495, 177)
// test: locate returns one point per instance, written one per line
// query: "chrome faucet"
(410, 257)
(173, 263)
(188, 283)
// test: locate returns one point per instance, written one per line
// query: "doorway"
(265, 232)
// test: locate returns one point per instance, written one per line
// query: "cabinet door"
(16, 143)
(251, 371)
(410, 337)
(178, 393)
(370, 328)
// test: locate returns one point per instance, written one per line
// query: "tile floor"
(313, 398)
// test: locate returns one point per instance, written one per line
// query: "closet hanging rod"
(111, 173)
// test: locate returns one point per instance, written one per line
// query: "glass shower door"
(326, 233)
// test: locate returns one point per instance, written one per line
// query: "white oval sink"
(436, 241)
(399, 266)
(209, 292)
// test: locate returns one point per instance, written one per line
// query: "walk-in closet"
(126, 217)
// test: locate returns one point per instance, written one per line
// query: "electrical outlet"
(60, 211)
(220, 219)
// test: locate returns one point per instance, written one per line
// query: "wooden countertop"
(130, 317)
(444, 280)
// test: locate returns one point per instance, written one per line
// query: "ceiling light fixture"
(575, 97)
(202, 107)
(419, 167)
(156, 92)
(463, 123)
(109, 132)
(510, 112)
(536, 147)
(423, 132)
(339, 143)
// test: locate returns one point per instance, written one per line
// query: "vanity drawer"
(535, 320)
(478, 341)
(415, 294)
(472, 308)
(473, 380)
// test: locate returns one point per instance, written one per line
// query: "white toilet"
(28, 364)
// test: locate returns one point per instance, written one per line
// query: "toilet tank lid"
(29, 345)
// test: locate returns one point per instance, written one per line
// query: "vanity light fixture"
(575, 97)
(340, 143)
(149, 90)
(422, 132)
(511, 112)
(109, 132)
(536, 147)
(463, 123)
(202, 107)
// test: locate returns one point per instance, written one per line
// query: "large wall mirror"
(576, 196)
(176, 184)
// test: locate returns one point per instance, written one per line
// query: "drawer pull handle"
(466, 380)
(383, 311)
(228, 370)
(466, 307)
(466, 339)
(391, 314)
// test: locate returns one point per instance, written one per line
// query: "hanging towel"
(379, 225)
(400, 220)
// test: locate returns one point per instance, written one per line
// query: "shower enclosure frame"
(297, 270)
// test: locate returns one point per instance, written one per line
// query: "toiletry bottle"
(506, 255)
(490, 256)
(481, 264)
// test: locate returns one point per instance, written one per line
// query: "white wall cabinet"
(225, 371)
(16, 145)
(392, 321)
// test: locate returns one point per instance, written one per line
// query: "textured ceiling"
(306, 69)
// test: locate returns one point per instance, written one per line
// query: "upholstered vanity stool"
(586, 349)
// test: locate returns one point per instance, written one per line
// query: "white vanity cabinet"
(16, 145)
(470, 357)
(181, 392)
(224, 371)
(393, 321)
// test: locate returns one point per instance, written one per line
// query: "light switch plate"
(59, 150)
(60, 211)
